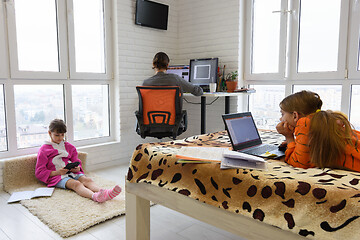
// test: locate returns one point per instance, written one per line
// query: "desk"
(227, 96)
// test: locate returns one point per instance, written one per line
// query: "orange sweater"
(298, 152)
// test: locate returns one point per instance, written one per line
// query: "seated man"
(161, 78)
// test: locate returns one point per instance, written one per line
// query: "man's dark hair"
(161, 60)
(57, 125)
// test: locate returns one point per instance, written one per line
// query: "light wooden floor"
(17, 223)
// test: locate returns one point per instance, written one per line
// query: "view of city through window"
(264, 104)
(91, 111)
(35, 107)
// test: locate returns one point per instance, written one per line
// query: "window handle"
(283, 11)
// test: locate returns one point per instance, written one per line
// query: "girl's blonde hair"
(329, 134)
(329, 131)
(304, 102)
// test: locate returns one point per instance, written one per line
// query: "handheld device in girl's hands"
(70, 166)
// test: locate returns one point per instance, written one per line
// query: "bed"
(281, 203)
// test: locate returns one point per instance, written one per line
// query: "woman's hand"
(75, 169)
(287, 130)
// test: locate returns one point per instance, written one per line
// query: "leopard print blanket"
(315, 203)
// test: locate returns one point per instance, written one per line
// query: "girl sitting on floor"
(317, 138)
(50, 167)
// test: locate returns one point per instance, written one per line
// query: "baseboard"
(101, 165)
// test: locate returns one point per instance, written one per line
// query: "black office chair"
(160, 112)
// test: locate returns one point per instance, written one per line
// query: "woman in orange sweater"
(317, 138)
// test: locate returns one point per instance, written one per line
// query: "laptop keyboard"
(261, 149)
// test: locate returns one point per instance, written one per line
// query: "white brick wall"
(136, 47)
(209, 28)
(196, 29)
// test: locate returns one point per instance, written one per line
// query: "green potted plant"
(231, 81)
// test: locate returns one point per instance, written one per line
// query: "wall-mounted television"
(151, 14)
(203, 71)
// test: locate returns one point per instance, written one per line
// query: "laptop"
(245, 137)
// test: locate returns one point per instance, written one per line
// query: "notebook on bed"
(244, 135)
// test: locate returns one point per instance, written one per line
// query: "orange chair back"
(159, 104)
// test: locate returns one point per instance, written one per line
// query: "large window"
(304, 44)
(60, 67)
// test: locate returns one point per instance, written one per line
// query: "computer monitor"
(203, 71)
(180, 70)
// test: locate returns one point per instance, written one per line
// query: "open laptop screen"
(242, 130)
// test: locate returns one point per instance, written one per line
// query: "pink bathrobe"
(53, 156)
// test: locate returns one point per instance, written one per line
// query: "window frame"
(3, 51)
(69, 114)
(294, 45)
(64, 78)
(62, 46)
(354, 41)
(108, 53)
(327, 78)
(249, 39)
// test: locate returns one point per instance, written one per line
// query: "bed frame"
(139, 195)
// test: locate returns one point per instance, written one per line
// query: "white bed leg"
(137, 217)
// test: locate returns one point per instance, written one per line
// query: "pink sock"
(98, 196)
(104, 195)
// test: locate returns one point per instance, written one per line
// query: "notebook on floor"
(244, 135)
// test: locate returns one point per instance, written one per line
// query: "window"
(311, 42)
(88, 42)
(266, 37)
(37, 39)
(265, 47)
(60, 67)
(3, 65)
(36, 35)
(354, 42)
(89, 36)
(91, 111)
(355, 107)
(36, 106)
(264, 105)
(318, 41)
(3, 132)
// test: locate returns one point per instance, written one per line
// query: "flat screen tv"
(151, 14)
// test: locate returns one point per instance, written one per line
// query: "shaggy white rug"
(64, 212)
